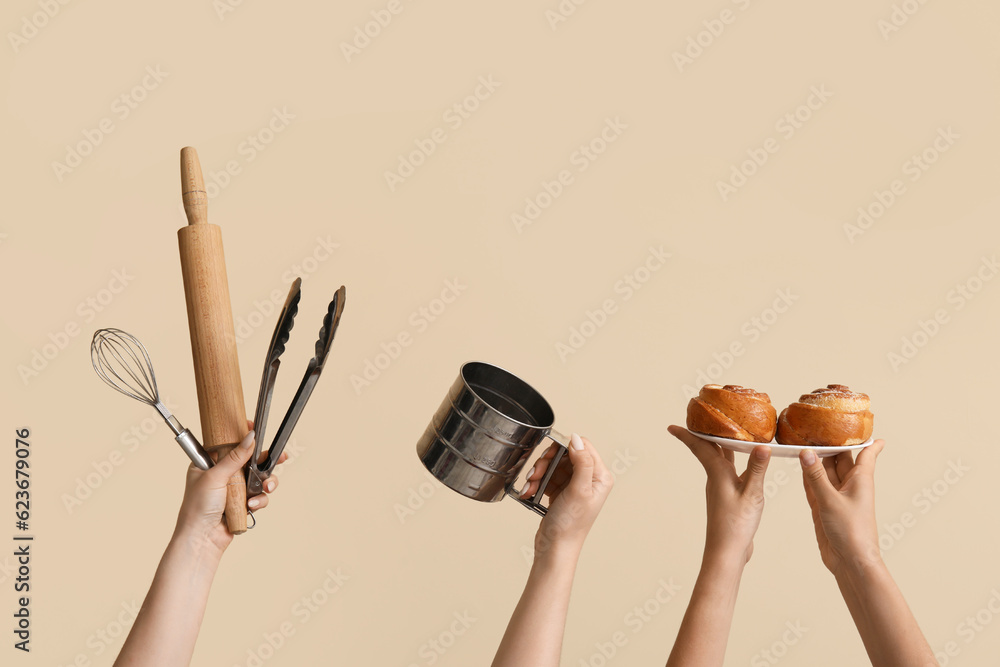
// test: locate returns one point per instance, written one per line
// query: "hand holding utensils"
(123, 363)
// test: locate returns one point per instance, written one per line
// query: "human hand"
(201, 514)
(577, 491)
(841, 494)
(735, 502)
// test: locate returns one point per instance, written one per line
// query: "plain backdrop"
(743, 139)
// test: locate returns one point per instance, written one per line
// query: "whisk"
(123, 363)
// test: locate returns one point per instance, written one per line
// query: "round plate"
(787, 451)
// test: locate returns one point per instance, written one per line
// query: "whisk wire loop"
(122, 361)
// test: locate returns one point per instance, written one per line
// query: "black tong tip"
(330, 323)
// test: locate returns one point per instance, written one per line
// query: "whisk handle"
(194, 450)
(185, 438)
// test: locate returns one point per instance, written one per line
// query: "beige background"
(322, 176)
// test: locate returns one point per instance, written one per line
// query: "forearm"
(704, 632)
(535, 632)
(887, 627)
(165, 631)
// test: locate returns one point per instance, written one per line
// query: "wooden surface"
(213, 338)
(193, 188)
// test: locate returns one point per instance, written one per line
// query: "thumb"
(583, 465)
(232, 462)
(815, 477)
(756, 467)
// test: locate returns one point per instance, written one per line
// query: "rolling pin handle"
(193, 187)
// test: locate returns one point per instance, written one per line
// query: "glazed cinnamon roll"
(732, 412)
(831, 417)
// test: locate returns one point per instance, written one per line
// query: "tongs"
(258, 471)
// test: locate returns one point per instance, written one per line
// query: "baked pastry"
(831, 417)
(732, 412)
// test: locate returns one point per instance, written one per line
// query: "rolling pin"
(213, 337)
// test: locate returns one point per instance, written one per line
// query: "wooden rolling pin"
(213, 338)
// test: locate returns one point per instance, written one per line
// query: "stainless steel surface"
(457, 473)
(286, 319)
(193, 449)
(123, 363)
(534, 503)
(483, 433)
(257, 470)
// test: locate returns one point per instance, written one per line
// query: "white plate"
(787, 451)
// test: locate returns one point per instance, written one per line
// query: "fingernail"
(269, 487)
(247, 440)
(530, 473)
(808, 457)
(253, 502)
(524, 488)
(576, 442)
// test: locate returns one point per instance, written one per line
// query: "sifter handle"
(534, 503)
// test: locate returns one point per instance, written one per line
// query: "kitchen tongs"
(258, 471)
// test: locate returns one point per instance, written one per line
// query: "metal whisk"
(123, 363)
